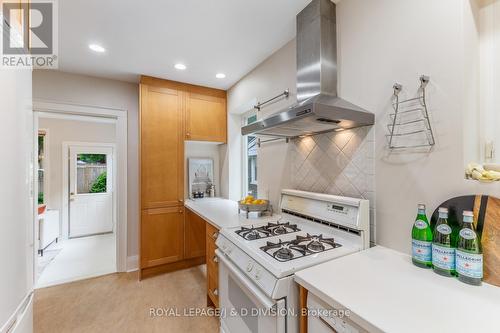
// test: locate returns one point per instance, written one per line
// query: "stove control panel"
(248, 266)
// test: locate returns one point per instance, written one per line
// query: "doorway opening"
(77, 178)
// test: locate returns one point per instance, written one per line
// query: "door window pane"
(91, 173)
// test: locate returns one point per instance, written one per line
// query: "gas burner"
(316, 243)
(253, 233)
(281, 228)
(301, 246)
(269, 230)
(285, 250)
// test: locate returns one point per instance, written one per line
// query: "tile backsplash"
(340, 163)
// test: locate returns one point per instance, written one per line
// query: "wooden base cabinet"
(212, 266)
(194, 236)
(162, 232)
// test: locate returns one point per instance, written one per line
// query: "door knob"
(215, 259)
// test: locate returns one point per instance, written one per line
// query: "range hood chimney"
(318, 107)
(316, 50)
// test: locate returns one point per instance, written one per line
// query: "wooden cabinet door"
(162, 236)
(162, 147)
(206, 118)
(194, 235)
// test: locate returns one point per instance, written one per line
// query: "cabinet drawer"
(213, 291)
(212, 232)
(212, 261)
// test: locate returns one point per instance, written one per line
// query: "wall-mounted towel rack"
(410, 118)
(260, 142)
(259, 105)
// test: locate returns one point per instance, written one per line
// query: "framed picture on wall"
(201, 176)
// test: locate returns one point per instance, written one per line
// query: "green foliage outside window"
(99, 185)
(92, 158)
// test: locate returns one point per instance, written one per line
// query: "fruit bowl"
(258, 205)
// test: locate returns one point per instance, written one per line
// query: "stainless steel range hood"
(318, 107)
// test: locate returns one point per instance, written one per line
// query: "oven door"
(244, 307)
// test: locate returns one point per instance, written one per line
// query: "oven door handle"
(267, 302)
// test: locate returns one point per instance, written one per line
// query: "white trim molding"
(120, 117)
(133, 263)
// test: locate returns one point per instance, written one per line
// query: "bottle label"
(422, 251)
(444, 229)
(469, 264)
(419, 224)
(443, 257)
(467, 233)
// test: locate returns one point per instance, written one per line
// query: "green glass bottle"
(421, 235)
(443, 247)
(469, 255)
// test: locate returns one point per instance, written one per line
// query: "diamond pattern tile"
(339, 163)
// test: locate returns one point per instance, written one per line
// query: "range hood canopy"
(318, 107)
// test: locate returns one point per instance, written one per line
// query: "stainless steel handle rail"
(259, 105)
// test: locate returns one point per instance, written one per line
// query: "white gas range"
(257, 263)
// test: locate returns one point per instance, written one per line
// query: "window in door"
(91, 174)
(250, 158)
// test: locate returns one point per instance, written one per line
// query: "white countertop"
(384, 288)
(223, 213)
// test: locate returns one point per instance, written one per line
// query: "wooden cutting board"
(487, 221)
(488, 213)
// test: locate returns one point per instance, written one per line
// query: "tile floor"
(79, 258)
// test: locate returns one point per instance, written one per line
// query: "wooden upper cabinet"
(162, 233)
(206, 115)
(162, 147)
(194, 239)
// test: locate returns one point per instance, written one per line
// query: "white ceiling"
(149, 37)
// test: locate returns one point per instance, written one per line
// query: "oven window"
(241, 302)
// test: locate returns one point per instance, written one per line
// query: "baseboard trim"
(174, 266)
(132, 263)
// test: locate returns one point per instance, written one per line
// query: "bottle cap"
(443, 210)
(421, 206)
(468, 213)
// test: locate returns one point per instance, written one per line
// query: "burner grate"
(269, 230)
(300, 247)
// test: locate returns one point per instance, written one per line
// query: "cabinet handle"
(188, 134)
(215, 259)
(181, 201)
(215, 235)
(181, 211)
(216, 292)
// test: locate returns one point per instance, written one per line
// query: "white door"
(90, 190)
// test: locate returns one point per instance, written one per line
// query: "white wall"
(382, 42)
(60, 131)
(270, 78)
(85, 90)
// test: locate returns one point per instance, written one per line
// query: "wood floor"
(120, 303)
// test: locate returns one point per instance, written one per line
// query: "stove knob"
(249, 266)
(258, 274)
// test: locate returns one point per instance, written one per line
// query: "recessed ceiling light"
(220, 75)
(180, 66)
(97, 48)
